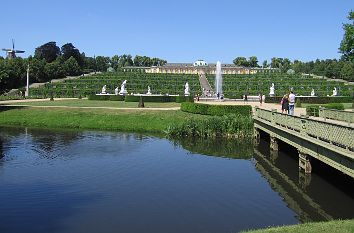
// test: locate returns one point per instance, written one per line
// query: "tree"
(53, 71)
(240, 61)
(71, 67)
(347, 71)
(347, 45)
(253, 62)
(37, 73)
(49, 51)
(68, 50)
(102, 63)
(265, 64)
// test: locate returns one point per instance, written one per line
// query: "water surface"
(67, 181)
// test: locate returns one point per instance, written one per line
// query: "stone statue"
(334, 92)
(123, 91)
(149, 91)
(186, 89)
(313, 92)
(272, 90)
(103, 90)
(116, 91)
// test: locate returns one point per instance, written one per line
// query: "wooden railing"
(337, 136)
(337, 115)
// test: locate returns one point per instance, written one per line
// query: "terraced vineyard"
(136, 83)
(234, 86)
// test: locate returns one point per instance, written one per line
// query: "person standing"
(284, 104)
(291, 103)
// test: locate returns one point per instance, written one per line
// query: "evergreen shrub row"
(106, 97)
(132, 98)
(313, 110)
(216, 110)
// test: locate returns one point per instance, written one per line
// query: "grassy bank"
(99, 119)
(96, 103)
(340, 226)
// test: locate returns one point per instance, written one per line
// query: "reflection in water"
(312, 196)
(218, 147)
(79, 181)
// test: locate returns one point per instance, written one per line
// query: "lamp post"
(27, 86)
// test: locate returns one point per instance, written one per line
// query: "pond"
(69, 181)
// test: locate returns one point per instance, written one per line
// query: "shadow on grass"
(7, 108)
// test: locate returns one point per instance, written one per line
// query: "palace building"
(200, 66)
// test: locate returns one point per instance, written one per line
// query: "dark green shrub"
(157, 99)
(180, 99)
(231, 126)
(337, 106)
(312, 110)
(98, 97)
(216, 110)
(116, 97)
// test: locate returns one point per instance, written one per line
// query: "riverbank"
(342, 226)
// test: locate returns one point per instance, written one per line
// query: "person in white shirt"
(291, 103)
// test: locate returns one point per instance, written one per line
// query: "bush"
(181, 99)
(231, 126)
(216, 110)
(106, 97)
(313, 110)
(337, 106)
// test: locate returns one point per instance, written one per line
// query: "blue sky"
(180, 31)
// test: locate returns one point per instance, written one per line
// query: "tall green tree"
(253, 61)
(347, 45)
(49, 51)
(69, 50)
(240, 61)
(71, 67)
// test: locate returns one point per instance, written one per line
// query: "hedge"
(216, 110)
(106, 97)
(313, 110)
(314, 100)
(159, 99)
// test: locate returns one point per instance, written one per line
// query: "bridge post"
(304, 162)
(273, 143)
(257, 135)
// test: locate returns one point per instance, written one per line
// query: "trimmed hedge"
(313, 110)
(159, 99)
(216, 110)
(106, 97)
(314, 100)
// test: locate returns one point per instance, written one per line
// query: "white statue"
(103, 90)
(149, 91)
(186, 89)
(116, 91)
(334, 92)
(123, 91)
(313, 92)
(272, 90)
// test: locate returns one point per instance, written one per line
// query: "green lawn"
(98, 119)
(337, 226)
(97, 103)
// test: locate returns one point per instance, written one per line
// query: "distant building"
(200, 66)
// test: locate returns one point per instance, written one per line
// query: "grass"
(97, 119)
(96, 103)
(335, 226)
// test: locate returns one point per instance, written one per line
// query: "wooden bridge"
(332, 143)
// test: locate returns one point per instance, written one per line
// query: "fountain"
(218, 80)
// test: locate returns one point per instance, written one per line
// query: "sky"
(180, 31)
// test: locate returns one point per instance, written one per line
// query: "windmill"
(11, 53)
